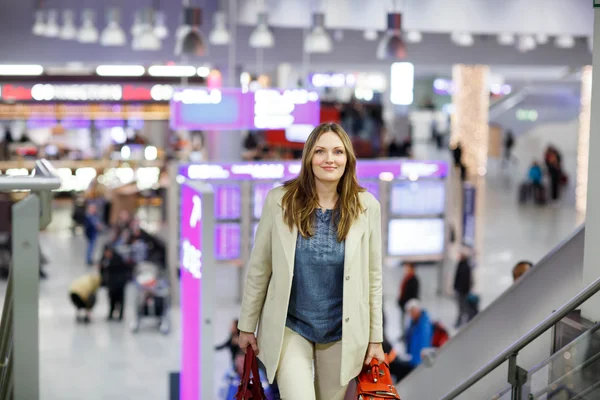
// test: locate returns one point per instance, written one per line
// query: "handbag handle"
(375, 370)
(250, 387)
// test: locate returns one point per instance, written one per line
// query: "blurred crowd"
(128, 254)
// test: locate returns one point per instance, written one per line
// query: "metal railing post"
(25, 274)
(517, 377)
(19, 327)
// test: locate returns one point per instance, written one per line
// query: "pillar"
(583, 140)
(471, 101)
(223, 146)
(591, 253)
(470, 128)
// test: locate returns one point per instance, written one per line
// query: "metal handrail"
(536, 332)
(44, 179)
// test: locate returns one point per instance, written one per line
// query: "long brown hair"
(300, 199)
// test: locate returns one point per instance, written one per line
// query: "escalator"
(554, 281)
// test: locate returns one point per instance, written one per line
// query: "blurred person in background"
(536, 177)
(138, 248)
(463, 282)
(520, 269)
(409, 289)
(457, 154)
(418, 338)
(83, 296)
(92, 227)
(232, 341)
(117, 273)
(509, 144)
(555, 174)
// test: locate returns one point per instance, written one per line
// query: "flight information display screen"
(227, 241)
(424, 197)
(260, 192)
(415, 237)
(228, 201)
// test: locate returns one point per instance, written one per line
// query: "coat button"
(347, 278)
(347, 319)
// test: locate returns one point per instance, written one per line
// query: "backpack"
(440, 335)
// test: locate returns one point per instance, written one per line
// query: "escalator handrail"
(536, 332)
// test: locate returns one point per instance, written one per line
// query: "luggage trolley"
(152, 298)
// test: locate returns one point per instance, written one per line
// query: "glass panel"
(503, 395)
(572, 371)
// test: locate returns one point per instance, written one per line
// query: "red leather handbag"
(375, 383)
(250, 386)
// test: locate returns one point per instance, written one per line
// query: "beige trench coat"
(269, 281)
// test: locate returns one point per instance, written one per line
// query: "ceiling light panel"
(172, 70)
(120, 70)
(21, 70)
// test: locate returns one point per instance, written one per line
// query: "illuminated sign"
(402, 83)
(236, 109)
(332, 80)
(526, 115)
(86, 92)
(197, 285)
(191, 291)
(365, 169)
(445, 87)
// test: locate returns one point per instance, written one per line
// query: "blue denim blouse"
(315, 308)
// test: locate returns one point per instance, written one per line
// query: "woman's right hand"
(248, 339)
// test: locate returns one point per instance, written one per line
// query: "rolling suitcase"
(524, 192)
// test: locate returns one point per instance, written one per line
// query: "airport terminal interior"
(139, 141)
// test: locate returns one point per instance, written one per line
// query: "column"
(583, 141)
(223, 146)
(591, 266)
(471, 101)
(470, 128)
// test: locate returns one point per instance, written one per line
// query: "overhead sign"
(365, 169)
(236, 109)
(54, 92)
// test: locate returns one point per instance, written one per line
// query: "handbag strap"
(250, 387)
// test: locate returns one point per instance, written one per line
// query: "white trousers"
(309, 371)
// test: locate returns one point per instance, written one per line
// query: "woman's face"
(329, 158)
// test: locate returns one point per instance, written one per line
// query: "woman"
(314, 276)
(117, 274)
(83, 295)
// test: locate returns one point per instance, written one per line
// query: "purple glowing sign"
(371, 186)
(228, 202)
(235, 109)
(191, 290)
(227, 241)
(261, 190)
(388, 169)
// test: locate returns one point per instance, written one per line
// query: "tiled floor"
(106, 361)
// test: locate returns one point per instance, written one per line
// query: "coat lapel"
(353, 239)
(288, 239)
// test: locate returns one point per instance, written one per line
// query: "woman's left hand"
(375, 350)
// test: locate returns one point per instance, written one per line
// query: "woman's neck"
(327, 194)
